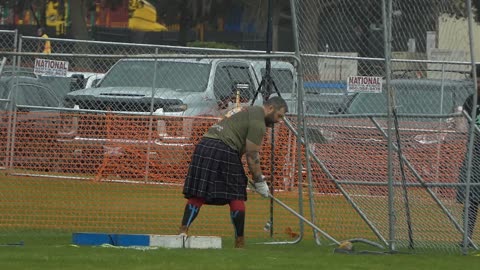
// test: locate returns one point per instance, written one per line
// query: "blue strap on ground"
(96, 239)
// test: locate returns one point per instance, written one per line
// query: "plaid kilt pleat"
(215, 173)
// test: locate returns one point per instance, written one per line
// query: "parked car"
(412, 96)
(433, 145)
(30, 133)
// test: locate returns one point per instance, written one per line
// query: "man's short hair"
(277, 102)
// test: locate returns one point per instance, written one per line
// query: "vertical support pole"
(466, 218)
(299, 93)
(150, 123)
(387, 36)
(8, 155)
(266, 95)
(12, 125)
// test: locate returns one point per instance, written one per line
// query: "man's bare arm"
(253, 160)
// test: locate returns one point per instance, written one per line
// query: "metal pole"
(387, 31)
(329, 237)
(15, 58)
(269, 48)
(439, 144)
(268, 83)
(13, 113)
(272, 200)
(293, 9)
(150, 123)
(471, 130)
(15, 49)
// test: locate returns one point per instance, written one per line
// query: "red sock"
(198, 202)
(237, 205)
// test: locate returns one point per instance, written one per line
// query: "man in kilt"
(216, 175)
(474, 196)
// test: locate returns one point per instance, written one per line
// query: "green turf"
(42, 203)
(52, 250)
(68, 205)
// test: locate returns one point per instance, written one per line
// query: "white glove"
(262, 188)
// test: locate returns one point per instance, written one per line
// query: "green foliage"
(211, 44)
(458, 9)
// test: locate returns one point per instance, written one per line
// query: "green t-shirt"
(234, 130)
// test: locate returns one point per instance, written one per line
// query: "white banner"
(368, 84)
(47, 67)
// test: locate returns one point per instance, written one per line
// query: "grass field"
(43, 213)
(52, 250)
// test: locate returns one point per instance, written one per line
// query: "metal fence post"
(466, 219)
(13, 112)
(387, 35)
(299, 108)
(150, 128)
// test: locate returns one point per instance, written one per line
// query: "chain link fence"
(8, 43)
(385, 143)
(394, 152)
(132, 132)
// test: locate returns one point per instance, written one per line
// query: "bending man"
(216, 175)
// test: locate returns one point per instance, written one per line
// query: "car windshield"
(169, 74)
(29, 94)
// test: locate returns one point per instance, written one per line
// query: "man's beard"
(269, 120)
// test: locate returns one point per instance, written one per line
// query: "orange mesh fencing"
(135, 167)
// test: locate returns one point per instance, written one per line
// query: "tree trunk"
(79, 31)
(42, 8)
(275, 24)
(77, 17)
(184, 23)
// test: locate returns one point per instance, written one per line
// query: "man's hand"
(262, 188)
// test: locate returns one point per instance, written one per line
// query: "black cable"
(404, 180)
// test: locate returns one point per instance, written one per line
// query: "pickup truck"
(184, 96)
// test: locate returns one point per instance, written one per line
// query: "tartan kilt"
(215, 173)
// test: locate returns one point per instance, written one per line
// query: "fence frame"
(391, 240)
(300, 131)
